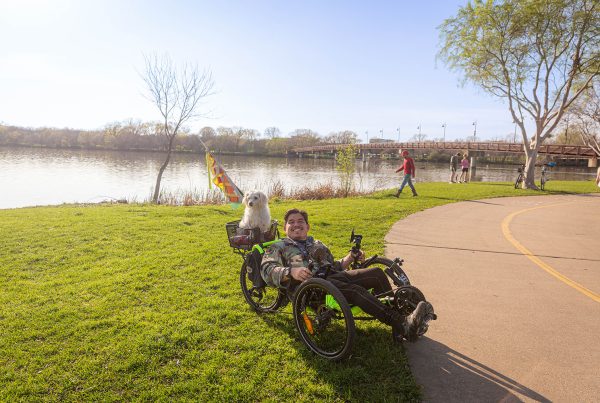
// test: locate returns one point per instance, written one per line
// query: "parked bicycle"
(543, 178)
(520, 176)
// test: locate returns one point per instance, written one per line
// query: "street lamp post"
(367, 133)
(381, 131)
(515, 134)
(444, 126)
(398, 129)
(475, 131)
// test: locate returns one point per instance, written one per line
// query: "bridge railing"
(501, 147)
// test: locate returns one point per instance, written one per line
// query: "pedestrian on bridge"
(454, 166)
(464, 176)
(409, 172)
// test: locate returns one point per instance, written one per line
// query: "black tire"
(381, 262)
(261, 299)
(518, 181)
(326, 331)
(407, 298)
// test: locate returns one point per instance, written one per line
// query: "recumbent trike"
(322, 316)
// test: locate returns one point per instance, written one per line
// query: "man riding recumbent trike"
(327, 296)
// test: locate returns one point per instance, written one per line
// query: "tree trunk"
(530, 159)
(159, 177)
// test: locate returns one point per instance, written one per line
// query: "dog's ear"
(263, 198)
(245, 199)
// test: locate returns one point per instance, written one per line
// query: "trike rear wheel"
(261, 299)
(324, 319)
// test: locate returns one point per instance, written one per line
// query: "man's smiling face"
(296, 227)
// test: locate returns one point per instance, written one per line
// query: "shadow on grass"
(450, 376)
(377, 370)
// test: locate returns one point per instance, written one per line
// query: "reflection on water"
(30, 176)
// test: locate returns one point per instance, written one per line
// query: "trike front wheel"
(324, 319)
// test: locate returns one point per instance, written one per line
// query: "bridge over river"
(473, 148)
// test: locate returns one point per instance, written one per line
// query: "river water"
(36, 176)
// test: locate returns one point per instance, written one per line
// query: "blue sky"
(320, 65)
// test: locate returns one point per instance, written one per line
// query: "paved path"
(511, 327)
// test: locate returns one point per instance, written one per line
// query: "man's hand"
(300, 273)
(350, 257)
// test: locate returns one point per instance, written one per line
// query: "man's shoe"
(397, 194)
(415, 195)
(415, 319)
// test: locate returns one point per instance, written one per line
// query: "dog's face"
(254, 199)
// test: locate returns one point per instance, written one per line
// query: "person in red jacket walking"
(409, 172)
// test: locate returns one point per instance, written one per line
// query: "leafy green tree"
(277, 145)
(538, 55)
(345, 165)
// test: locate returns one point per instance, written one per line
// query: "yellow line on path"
(537, 260)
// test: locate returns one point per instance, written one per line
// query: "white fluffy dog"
(257, 213)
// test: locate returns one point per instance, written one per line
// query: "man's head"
(458, 154)
(404, 153)
(296, 224)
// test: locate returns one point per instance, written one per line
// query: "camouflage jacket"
(280, 257)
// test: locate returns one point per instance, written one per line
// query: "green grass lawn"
(139, 302)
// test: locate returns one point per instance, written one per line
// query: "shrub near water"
(137, 302)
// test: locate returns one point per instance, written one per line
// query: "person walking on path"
(454, 166)
(409, 172)
(464, 175)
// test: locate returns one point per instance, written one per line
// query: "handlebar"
(356, 240)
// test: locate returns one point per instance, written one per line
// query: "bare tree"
(272, 132)
(177, 93)
(540, 56)
(343, 137)
(418, 137)
(304, 138)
